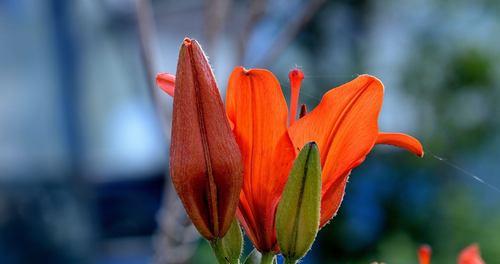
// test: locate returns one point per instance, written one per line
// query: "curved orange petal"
(401, 140)
(331, 201)
(257, 109)
(344, 125)
(246, 217)
(470, 255)
(166, 82)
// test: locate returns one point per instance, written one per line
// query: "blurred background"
(85, 133)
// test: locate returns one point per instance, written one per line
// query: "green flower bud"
(298, 213)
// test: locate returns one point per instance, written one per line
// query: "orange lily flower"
(344, 125)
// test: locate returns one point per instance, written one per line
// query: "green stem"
(219, 252)
(267, 258)
(289, 261)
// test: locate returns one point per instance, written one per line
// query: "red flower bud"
(205, 161)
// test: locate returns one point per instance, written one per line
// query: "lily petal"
(331, 201)
(166, 82)
(257, 109)
(344, 125)
(401, 140)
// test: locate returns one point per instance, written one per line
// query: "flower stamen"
(295, 76)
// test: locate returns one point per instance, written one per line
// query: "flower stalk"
(228, 249)
(268, 258)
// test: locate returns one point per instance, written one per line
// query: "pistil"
(295, 76)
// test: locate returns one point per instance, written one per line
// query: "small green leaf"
(298, 213)
(254, 257)
(228, 249)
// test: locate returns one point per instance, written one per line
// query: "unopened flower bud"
(205, 161)
(298, 213)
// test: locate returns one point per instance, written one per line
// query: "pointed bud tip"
(245, 71)
(312, 145)
(187, 41)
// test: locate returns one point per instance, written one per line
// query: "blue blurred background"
(84, 133)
